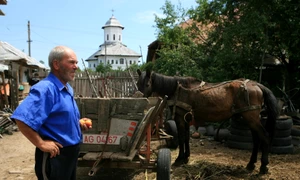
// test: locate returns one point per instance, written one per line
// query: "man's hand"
(44, 145)
(85, 124)
(50, 146)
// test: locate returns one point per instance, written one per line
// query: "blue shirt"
(50, 110)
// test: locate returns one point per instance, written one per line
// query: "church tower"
(112, 51)
(112, 31)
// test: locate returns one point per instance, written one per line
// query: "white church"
(113, 51)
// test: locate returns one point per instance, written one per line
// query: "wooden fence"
(113, 84)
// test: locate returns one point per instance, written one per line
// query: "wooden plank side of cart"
(139, 135)
(126, 119)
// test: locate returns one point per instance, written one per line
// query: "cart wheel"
(163, 164)
(171, 129)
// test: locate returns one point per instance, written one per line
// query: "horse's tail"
(271, 106)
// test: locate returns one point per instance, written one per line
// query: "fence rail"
(113, 84)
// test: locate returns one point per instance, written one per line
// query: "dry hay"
(202, 170)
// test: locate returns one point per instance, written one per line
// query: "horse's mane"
(166, 85)
(188, 81)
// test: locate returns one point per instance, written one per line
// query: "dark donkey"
(215, 102)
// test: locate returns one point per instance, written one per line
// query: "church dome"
(112, 22)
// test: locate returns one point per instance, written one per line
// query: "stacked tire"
(296, 137)
(240, 135)
(282, 142)
(241, 138)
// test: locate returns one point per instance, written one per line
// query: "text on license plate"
(101, 138)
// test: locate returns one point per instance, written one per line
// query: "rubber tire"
(163, 171)
(239, 125)
(240, 145)
(284, 141)
(171, 129)
(282, 133)
(237, 138)
(222, 135)
(284, 124)
(246, 133)
(282, 149)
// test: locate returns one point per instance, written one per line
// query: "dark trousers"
(61, 167)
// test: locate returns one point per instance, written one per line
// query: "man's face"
(67, 67)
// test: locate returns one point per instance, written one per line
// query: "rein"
(95, 167)
(200, 87)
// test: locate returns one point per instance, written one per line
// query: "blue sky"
(78, 24)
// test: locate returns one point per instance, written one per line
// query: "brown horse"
(215, 102)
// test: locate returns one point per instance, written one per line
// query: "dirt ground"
(209, 160)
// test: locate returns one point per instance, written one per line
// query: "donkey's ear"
(139, 72)
(148, 73)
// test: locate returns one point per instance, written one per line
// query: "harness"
(243, 91)
(180, 104)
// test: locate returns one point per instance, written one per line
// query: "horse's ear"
(139, 72)
(148, 73)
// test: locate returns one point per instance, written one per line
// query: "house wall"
(114, 61)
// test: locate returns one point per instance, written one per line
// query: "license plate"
(101, 138)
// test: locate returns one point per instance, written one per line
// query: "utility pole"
(105, 55)
(29, 40)
(142, 55)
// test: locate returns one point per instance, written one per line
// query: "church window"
(112, 61)
(107, 37)
(114, 37)
(121, 61)
(116, 61)
(130, 62)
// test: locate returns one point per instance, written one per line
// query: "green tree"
(178, 52)
(246, 31)
(133, 67)
(104, 68)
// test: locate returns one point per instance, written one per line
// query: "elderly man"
(49, 118)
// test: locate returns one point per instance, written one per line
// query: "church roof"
(112, 22)
(113, 49)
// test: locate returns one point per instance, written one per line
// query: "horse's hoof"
(263, 170)
(186, 160)
(250, 167)
(178, 162)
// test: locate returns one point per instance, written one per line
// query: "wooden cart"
(123, 129)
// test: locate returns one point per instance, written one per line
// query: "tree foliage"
(104, 68)
(178, 48)
(245, 31)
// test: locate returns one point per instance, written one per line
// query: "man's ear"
(55, 64)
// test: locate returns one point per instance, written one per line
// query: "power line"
(65, 29)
